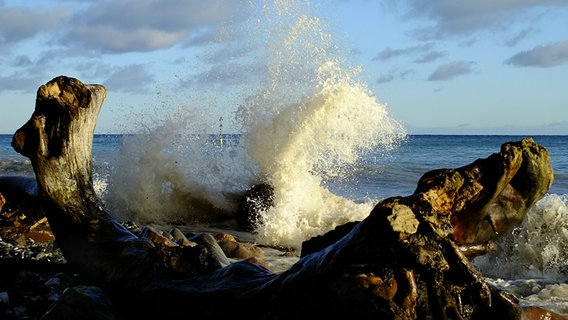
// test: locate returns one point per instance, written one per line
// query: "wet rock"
(255, 200)
(82, 302)
(209, 242)
(238, 250)
(180, 238)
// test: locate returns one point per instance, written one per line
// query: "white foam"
(310, 121)
(536, 248)
(308, 118)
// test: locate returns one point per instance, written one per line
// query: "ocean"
(139, 181)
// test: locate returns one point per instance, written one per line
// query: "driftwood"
(402, 262)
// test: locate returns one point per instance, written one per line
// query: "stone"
(209, 242)
(237, 250)
(255, 200)
(82, 302)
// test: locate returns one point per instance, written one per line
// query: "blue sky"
(441, 66)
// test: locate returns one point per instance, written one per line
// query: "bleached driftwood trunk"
(58, 140)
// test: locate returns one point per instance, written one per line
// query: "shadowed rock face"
(401, 262)
(257, 199)
(408, 247)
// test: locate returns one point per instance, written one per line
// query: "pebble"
(41, 251)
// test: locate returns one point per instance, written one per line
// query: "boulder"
(256, 199)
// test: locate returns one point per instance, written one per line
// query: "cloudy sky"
(451, 66)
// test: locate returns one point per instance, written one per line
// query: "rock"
(4, 302)
(537, 313)
(237, 250)
(225, 237)
(18, 189)
(82, 302)
(487, 198)
(31, 286)
(180, 238)
(209, 242)
(157, 237)
(257, 199)
(39, 235)
(20, 208)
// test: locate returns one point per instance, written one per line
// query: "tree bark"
(58, 140)
(401, 262)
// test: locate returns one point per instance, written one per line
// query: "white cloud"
(18, 83)
(18, 24)
(147, 25)
(429, 56)
(542, 56)
(451, 70)
(512, 41)
(79, 37)
(389, 53)
(117, 26)
(131, 78)
(116, 40)
(456, 18)
(394, 74)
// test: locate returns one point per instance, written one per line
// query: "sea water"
(329, 147)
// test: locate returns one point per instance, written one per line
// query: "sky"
(440, 66)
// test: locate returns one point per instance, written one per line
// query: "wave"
(536, 248)
(308, 119)
(16, 166)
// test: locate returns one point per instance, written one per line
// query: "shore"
(34, 274)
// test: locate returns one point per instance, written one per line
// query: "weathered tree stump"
(58, 140)
(401, 262)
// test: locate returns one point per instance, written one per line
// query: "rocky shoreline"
(31, 250)
(34, 274)
(32, 278)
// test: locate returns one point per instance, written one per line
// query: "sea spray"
(531, 260)
(306, 125)
(169, 174)
(309, 142)
(308, 119)
(536, 248)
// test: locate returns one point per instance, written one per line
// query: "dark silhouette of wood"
(401, 262)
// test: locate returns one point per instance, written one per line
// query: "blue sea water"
(377, 174)
(396, 173)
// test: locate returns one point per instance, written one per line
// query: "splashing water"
(315, 119)
(169, 175)
(308, 119)
(536, 248)
(308, 142)
(531, 260)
